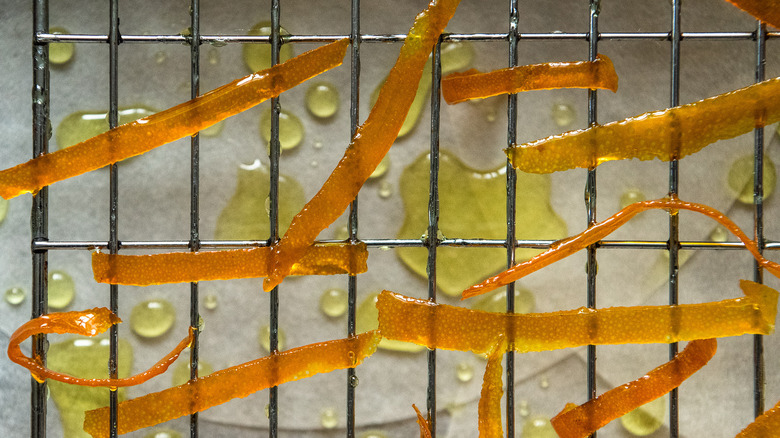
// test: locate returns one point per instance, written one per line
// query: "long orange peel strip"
(456, 328)
(473, 84)
(765, 425)
(238, 381)
(184, 267)
(765, 10)
(182, 120)
(566, 247)
(672, 133)
(581, 421)
(87, 323)
(370, 143)
(425, 426)
(489, 406)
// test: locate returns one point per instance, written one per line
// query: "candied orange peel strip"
(182, 120)
(581, 421)
(185, 267)
(765, 10)
(238, 381)
(370, 143)
(425, 426)
(672, 133)
(456, 328)
(90, 322)
(766, 425)
(566, 247)
(473, 84)
(489, 406)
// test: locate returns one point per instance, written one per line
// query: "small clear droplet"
(257, 56)
(563, 114)
(314, 163)
(329, 418)
(164, 433)
(201, 324)
(342, 233)
(385, 190)
(490, 114)
(740, 178)
(522, 408)
(374, 434)
(645, 419)
(218, 42)
(3, 209)
(15, 296)
(268, 205)
(333, 302)
(544, 382)
(181, 374)
(464, 371)
(60, 53)
(210, 301)
(381, 169)
(631, 196)
(213, 56)
(290, 128)
(267, 410)
(61, 290)
(152, 318)
(213, 130)
(160, 57)
(384, 248)
(538, 427)
(719, 234)
(317, 144)
(354, 381)
(322, 99)
(265, 338)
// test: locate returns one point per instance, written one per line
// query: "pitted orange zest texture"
(766, 425)
(765, 10)
(186, 119)
(668, 134)
(489, 406)
(425, 427)
(238, 381)
(583, 420)
(473, 84)
(185, 267)
(456, 328)
(566, 247)
(370, 143)
(87, 323)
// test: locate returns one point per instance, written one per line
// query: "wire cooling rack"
(662, 61)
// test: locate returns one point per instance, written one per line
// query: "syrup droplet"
(381, 169)
(15, 296)
(645, 419)
(464, 372)
(563, 114)
(210, 302)
(81, 125)
(333, 302)
(322, 99)
(60, 53)
(719, 234)
(538, 427)
(4, 203)
(385, 189)
(257, 56)
(630, 196)
(152, 318)
(181, 374)
(264, 336)
(290, 128)
(522, 408)
(164, 433)
(61, 290)
(329, 418)
(740, 178)
(495, 301)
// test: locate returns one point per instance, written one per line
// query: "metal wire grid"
(41, 243)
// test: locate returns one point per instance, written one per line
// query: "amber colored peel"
(766, 425)
(87, 323)
(585, 419)
(566, 247)
(238, 381)
(456, 328)
(765, 10)
(186, 119)
(489, 407)
(672, 133)
(425, 427)
(370, 143)
(473, 84)
(184, 267)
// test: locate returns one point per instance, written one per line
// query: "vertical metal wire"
(39, 214)
(511, 189)
(433, 219)
(674, 218)
(591, 266)
(273, 216)
(758, 229)
(194, 197)
(113, 242)
(354, 101)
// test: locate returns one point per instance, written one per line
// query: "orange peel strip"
(489, 407)
(473, 84)
(425, 427)
(370, 143)
(456, 328)
(182, 120)
(87, 323)
(765, 10)
(566, 247)
(765, 425)
(672, 133)
(581, 421)
(238, 381)
(184, 267)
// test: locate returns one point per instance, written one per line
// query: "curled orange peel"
(238, 381)
(765, 10)
(489, 406)
(180, 121)
(370, 143)
(185, 267)
(566, 247)
(473, 84)
(668, 134)
(425, 426)
(581, 421)
(456, 328)
(765, 425)
(87, 323)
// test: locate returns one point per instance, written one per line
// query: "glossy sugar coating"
(765, 10)
(473, 84)
(585, 419)
(671, 133)
(566, 247)
(185, 267)
(370, 143)
(238, 381)
(456, 328)
(766, 425)
(172, 124)
(489, 406)
(425, 427)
